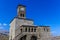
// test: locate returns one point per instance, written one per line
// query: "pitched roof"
(21, 18)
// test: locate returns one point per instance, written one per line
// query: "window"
(47, 30)
(25, 29)
(29, 30)
(34, 29)
(44, 29)
(21, 30)
(21, 15)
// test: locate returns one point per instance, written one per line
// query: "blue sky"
(43, 12)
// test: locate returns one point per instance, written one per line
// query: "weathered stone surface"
(21, 26)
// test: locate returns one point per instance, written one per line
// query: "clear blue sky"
(43, 12)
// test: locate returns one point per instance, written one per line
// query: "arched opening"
(23, 38)
(33, 38)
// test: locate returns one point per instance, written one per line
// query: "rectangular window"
(46, 29)
(25, 29)
(21, 30)
(34, 29)
(29, 30)
(21, 15)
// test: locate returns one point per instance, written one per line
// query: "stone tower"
(21, 10)
(22, 28)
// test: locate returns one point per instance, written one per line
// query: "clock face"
(22, 9)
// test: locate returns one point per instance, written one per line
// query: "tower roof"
(21, 5)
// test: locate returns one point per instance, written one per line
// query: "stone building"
(22, 28)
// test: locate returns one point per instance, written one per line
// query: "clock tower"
(21, 10)
(22, 28)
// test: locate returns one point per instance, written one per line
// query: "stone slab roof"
(33, 26)
(21, 18)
